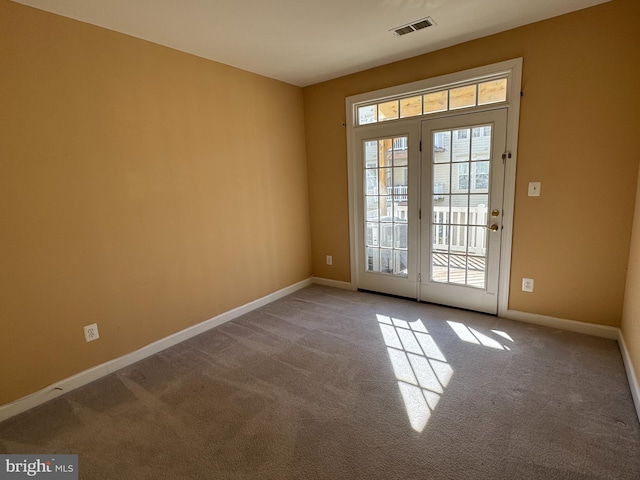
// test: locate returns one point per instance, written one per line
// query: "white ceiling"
(303, 42)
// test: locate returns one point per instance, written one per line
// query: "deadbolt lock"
(495, 213)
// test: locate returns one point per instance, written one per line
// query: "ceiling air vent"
(413, 26)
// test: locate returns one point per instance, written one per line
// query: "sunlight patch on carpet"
(420, 367)
(471, 335)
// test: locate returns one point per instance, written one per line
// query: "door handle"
(493, 228)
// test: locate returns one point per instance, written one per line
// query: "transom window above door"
(428, 102)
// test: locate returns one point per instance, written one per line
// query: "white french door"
(432, 170)
(429, 222)
(462, 209)
(387, 193)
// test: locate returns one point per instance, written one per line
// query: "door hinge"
(505, 155)
(420, 145)
(419, 277)
(419, 214)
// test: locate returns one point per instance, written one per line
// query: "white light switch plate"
(534, 189)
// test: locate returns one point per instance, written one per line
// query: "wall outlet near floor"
(329, 260)
(527, 284)
(91, 332)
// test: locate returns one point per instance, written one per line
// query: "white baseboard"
(333, 283)
(83, 378)
(563, 324)
(631, 374)
(589, 329)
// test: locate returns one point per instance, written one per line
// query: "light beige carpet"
(333, 384)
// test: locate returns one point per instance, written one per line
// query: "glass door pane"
(386, 179)
(460, 182)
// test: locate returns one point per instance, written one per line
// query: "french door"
(462, 189)
(388, 208)
(429, 222)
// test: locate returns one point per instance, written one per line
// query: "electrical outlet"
(527, 284)
(91, 332)
(329, 260)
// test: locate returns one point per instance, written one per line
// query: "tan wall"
(631, 311)
(141, 188)
(578, 136)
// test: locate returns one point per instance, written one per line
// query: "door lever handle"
(493, 228)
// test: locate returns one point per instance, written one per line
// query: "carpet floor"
(334, 384)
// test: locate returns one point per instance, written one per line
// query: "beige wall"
(631, 311)
(141, 188)
(136, 192)
(578, 136)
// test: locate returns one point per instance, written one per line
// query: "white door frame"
(510, 68)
